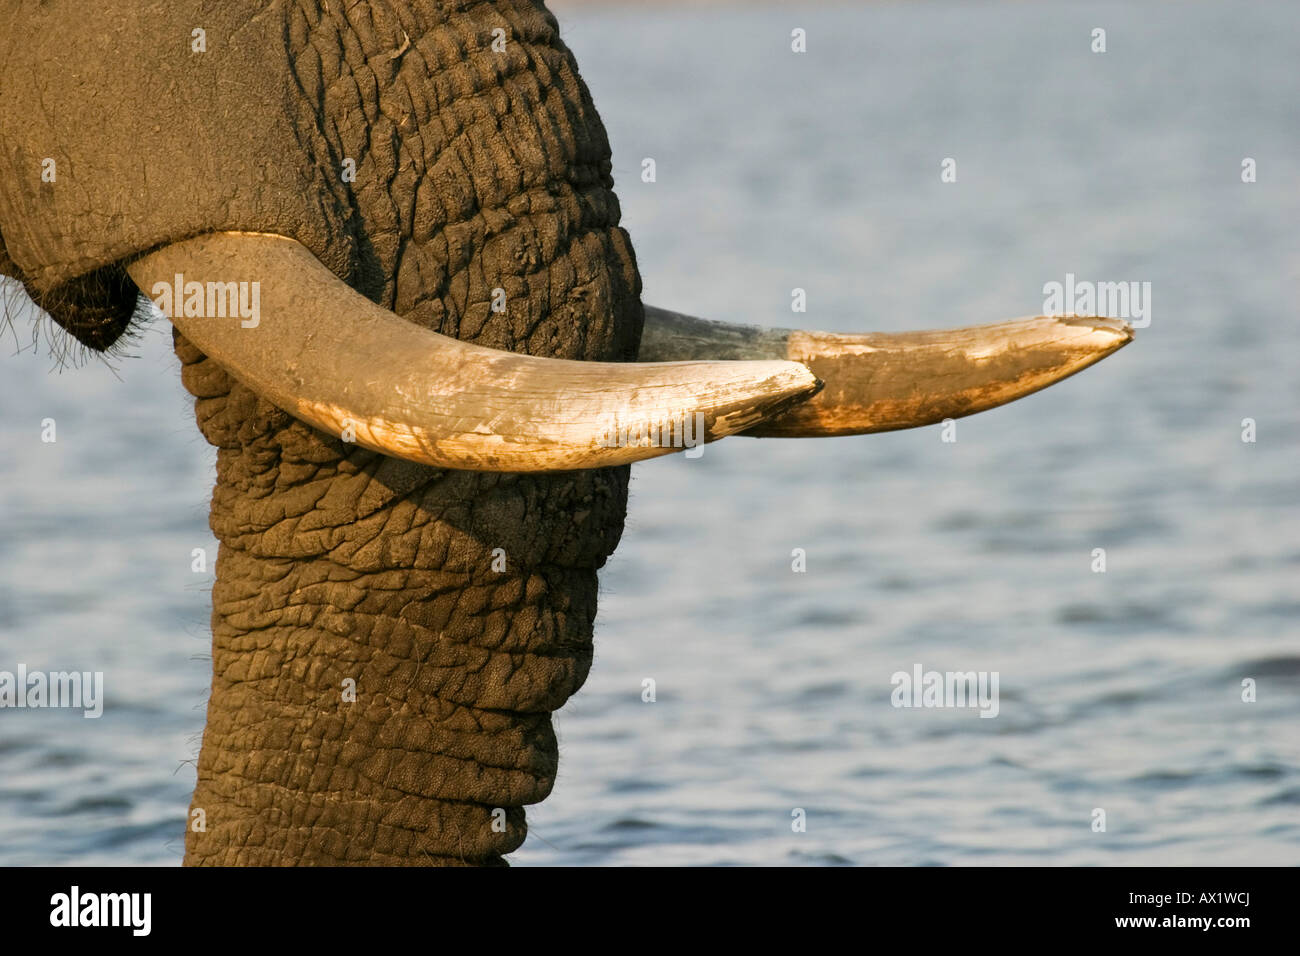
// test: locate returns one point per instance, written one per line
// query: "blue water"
(1119, 691)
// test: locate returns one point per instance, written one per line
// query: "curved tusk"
(332, 358)
(881, 381)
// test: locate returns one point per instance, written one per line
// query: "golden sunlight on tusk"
(882, 381)
(288, 328)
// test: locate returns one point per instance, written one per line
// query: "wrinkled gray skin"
(475, 169)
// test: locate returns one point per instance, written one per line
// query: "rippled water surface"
(1120, 691)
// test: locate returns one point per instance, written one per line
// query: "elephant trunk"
(388, 642)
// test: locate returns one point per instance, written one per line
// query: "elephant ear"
(127, 127)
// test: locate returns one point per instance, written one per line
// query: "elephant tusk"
(288, 328)
(879, 381)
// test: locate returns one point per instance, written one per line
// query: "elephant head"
(386, 236)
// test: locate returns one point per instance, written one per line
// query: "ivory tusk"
(882, 381)
(329, 356)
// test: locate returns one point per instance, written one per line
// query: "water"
(1119, 691)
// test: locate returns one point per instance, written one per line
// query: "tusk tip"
(1113, 332)
(805, 382)
(784, 384)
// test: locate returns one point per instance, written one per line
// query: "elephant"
(386, 236)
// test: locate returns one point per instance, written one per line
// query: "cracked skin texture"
(475, 170)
